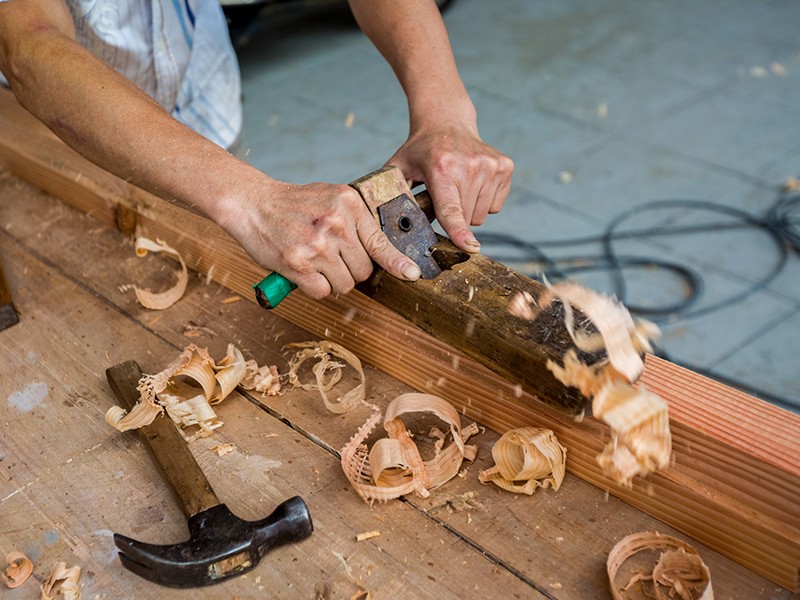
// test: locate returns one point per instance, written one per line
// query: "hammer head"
(220, 545)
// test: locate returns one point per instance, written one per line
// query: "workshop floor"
(604, 107)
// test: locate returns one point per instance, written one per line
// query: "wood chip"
(678, 572)
(18, 570)
(223, 449)
(367, 535)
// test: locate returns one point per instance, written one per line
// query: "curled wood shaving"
(525, 459)
(641, 442)
(792, 184)
(328, 368)
(165, 299)
(640, 437)
(18, 570)
(393, 466)
(189, 387)
(367, 535)
(679, 571)
(618, 334)
(62, 581)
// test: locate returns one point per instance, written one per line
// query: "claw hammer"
(220, 544)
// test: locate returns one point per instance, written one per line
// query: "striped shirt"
(178, 51)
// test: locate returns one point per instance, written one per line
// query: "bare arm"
(321, 236)
(467, 178)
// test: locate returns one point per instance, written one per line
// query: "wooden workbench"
(69, 480)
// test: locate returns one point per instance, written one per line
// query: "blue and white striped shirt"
(178, 51)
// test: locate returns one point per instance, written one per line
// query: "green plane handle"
(271, 290)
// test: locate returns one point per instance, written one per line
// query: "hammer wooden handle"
(8, 315)
(166, 445)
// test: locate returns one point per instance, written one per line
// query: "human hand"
(320, 236)
(467, 178)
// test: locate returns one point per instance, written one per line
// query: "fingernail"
(411, 271)
(472, 244)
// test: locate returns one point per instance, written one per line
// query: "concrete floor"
(604, 106)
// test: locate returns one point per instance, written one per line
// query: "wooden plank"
(71, 480)
(571, 530)
(706, 504)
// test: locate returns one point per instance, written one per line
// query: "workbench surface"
(69, 480)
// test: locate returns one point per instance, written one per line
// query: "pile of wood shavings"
(679, 572)
(393, 466)
(189, 387)
(641, 441)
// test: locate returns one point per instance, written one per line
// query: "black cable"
(778, 225)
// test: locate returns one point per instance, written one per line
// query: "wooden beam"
(736, 475)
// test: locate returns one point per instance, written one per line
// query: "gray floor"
(604, 106)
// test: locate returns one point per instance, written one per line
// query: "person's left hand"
(467, 178)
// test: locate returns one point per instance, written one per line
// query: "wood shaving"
(62, 582)
(165, 299)
(792, 184)
(223, 449)
(189, 387)
(18, 570)
(393, 466)
(361, 595)
(641, 441)
(525, 459)
(679, 572)
(640, 437)
(367, 535)
(328, 373)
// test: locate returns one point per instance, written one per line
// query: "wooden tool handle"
(166, 446)
(8, 315)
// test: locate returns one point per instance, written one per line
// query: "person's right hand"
(320, 236)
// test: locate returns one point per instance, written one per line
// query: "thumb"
(450, 214)
(381, 250)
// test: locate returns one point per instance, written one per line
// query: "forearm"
(412, 37)
(117, 126)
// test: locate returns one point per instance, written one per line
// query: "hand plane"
(463, 299)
